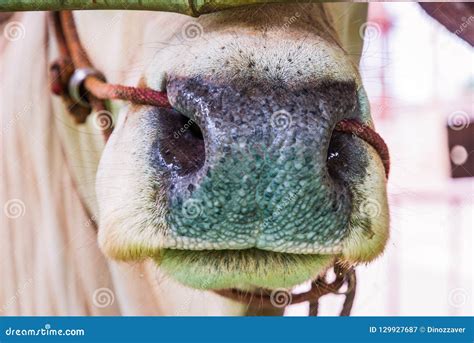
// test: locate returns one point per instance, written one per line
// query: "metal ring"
(76, 82)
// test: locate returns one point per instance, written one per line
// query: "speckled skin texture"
(244, 183)
(262, 172)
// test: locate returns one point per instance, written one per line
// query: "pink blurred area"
(418, 76)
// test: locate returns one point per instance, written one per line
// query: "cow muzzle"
(256, 166)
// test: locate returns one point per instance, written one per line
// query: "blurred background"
(420, 82)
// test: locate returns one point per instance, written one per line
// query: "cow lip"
(243, 269)
(277, 247)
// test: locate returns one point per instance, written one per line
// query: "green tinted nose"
(251, 166)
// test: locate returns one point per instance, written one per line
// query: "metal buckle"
(76, 83)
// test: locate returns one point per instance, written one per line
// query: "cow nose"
(181, 144)
(248, 165)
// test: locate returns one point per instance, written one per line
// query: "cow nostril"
(181, 143)
(336, 155)
(346, 157)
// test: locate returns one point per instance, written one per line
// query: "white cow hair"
(50, 260)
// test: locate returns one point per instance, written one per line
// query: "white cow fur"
(50, 263)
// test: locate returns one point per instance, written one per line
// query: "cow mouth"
(242, 269)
